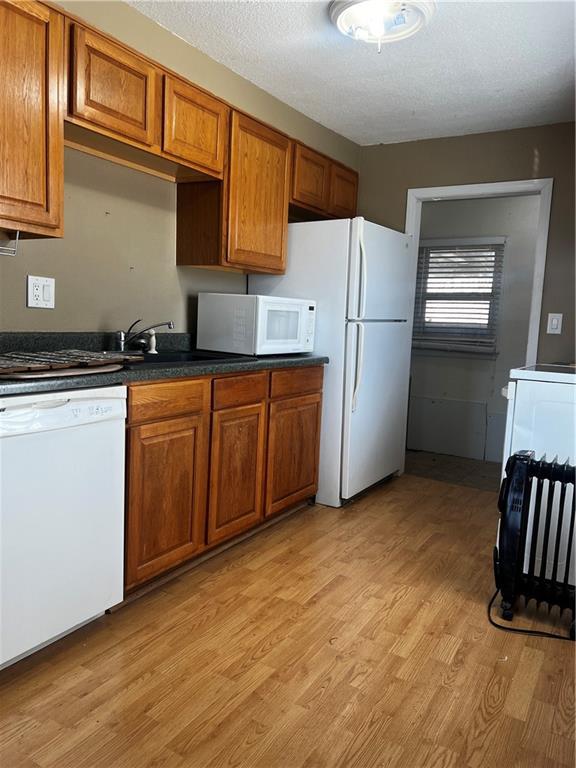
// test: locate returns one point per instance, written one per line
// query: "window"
(457, 294)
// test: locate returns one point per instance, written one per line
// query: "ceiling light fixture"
(381, 21)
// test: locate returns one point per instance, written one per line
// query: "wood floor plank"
(338, 638)
(523, 684)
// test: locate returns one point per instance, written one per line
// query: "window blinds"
(457, 296)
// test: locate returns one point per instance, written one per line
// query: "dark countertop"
(156, 373)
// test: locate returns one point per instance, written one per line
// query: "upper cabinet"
(195, 125)
(240, 223)
(236, 176)
(258, 195)
(114, 90)
(343, 191)
(321, 185)
(124, 96)
(32, 112)
(310, 178)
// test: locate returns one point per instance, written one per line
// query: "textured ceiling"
(477, 67)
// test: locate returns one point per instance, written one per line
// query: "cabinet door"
(31, 117)
(113, 88)
(310, 178)
(237, 470)
(293, 449)
(258, 196)
(167, 474)
(195, 125)
(343, 191)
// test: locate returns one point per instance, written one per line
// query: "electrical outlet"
(554, 323)
(41, 292)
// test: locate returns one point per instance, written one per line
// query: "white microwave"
(255, 325)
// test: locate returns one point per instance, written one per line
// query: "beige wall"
(132, 28)
(388, 171)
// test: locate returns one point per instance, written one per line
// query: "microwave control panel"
(310, 324)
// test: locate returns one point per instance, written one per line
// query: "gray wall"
(456, 404)
(388, 171)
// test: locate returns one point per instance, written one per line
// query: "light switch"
(41, 292)
(554, 323)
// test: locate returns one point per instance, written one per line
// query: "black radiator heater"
(534, 557)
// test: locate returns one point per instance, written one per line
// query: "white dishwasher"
(61, 513)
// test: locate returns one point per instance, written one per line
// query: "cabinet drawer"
(296, 381)
(159, 401)
(240, 390)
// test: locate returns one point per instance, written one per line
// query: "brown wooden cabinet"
(195, 480)
(32, 102)
(310, 178)
(258, 196)
(237, 454)
(343, 191)
(293, 437)
(293, 446)
(113, 89)
(236, 470)
(240, 223)
(322, 186)
(195, 125)
(236, 175)
(167, 479)
(167, 475)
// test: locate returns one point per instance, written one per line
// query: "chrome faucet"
(146, 342)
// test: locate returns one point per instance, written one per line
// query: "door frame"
(541, 187)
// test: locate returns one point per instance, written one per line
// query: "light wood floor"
(338, 638)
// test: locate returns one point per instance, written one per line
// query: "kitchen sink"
(189, 357)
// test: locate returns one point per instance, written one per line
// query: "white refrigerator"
(363, 278)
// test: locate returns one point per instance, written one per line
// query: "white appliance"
(61, 513)
(541, 417)
(541, 413)
(255, 325)
(363, 277)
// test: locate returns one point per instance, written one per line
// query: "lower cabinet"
(211, 457)
(293, 449)
(236, 471)
(167, 479)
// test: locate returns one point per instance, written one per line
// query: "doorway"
(480, 274)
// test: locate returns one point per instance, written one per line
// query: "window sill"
(445, 350)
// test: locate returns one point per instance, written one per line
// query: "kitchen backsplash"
(46, 341)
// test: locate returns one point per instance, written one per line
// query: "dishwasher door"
(61, 513)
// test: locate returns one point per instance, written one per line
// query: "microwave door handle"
(359, 366)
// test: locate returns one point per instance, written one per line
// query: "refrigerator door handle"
(359, 366)
(363, 271)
